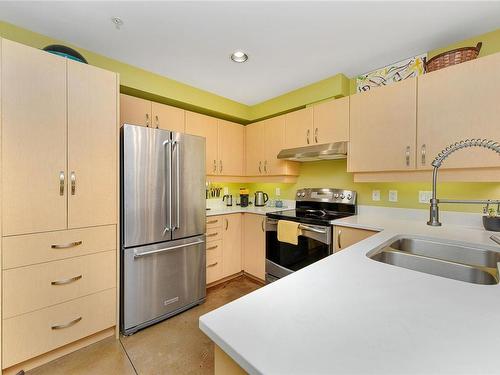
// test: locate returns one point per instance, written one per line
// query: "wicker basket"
(455, 56)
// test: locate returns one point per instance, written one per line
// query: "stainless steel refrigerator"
(163, 268)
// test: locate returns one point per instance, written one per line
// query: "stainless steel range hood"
(329, 151)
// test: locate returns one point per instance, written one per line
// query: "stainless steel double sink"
(465, 263)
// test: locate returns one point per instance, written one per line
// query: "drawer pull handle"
(61, 183)
(339, 243)
(213, 264)
(212, 234)
(67, 281)
(212, 221)
(212, 247)
(67, 325)
(67, 245)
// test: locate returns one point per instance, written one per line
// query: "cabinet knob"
(61, 183)
(260, 167)
(316, 135)
(73, 183)
(220, 166)
(308, 133)
(265, 166)
(157, 121)
(215, 165)
(407, 156)
(147, 119)
(422, 153)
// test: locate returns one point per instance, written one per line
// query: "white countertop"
(217, 207)
(348, 314)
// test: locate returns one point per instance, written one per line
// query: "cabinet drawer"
(214, 270)
(214, 250)
(34, 287)
(38, 332)
(214, 221)
(44, 247)
(214, 234)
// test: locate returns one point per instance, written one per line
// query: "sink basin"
(465, 263)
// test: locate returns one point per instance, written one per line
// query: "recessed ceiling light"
(239, 56)
(117, 21)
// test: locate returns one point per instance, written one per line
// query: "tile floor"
(174, 346)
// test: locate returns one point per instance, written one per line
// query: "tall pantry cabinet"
(59, 186)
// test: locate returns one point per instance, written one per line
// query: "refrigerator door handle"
(138, 255)
(168, 161)
(176, 145)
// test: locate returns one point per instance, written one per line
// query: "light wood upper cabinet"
(230, 146)
(254, 148)
(135, 111)
(264, 140)
(33, 140)
(254, 245)
(231, 244)
(92, 145)
(458, 103)
(205, 126)
(383, 128)
(299, 128)
(167, 117)
(331, 121)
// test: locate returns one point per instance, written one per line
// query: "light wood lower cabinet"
(254, 245)
(29, 335)
(30, 288)
(231, 244)
(18, 251)
(346, 236)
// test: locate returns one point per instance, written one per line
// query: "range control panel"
(326, 195)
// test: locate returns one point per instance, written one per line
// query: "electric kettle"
(260, 199)
(229, 201)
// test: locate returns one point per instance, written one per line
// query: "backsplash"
(332, 173)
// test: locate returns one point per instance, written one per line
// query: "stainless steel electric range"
(315, 210)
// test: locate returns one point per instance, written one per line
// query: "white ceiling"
(290, 44)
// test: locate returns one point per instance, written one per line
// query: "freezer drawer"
(161, 280)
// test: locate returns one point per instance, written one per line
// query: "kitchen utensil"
(260, 198)
(244, 197)
(229, 201)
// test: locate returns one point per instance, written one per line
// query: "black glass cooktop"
(309, 216)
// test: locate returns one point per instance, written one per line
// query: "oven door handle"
(312, 229)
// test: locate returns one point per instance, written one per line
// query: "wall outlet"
(226, 190)
(278, 191)
(375, 195)
(424, 196)
(393, 195)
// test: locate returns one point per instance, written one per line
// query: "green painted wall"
(333, 174)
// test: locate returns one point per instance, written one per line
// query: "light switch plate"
(424, 196)
(375, 195)
(393, 195)
(278, 191)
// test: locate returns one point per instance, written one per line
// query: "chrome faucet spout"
(438, 161)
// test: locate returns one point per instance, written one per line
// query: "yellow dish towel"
(288, 231)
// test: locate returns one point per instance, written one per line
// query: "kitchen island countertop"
(348, 314)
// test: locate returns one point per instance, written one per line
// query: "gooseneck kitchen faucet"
(438, 161)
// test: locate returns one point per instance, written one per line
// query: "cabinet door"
(331, 121)
(231, 147)
(345, 237)
(274, 140)
(33, 140)
(298, 128)
(458, 103)
(254, 148)
(231, 244)
(92, 145)
(135, 111)
(254, 245)
(205, 126)
(383, 128)
(167, 118)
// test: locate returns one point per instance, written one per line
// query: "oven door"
(282, 258)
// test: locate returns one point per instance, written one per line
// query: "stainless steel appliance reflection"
(162, 225)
